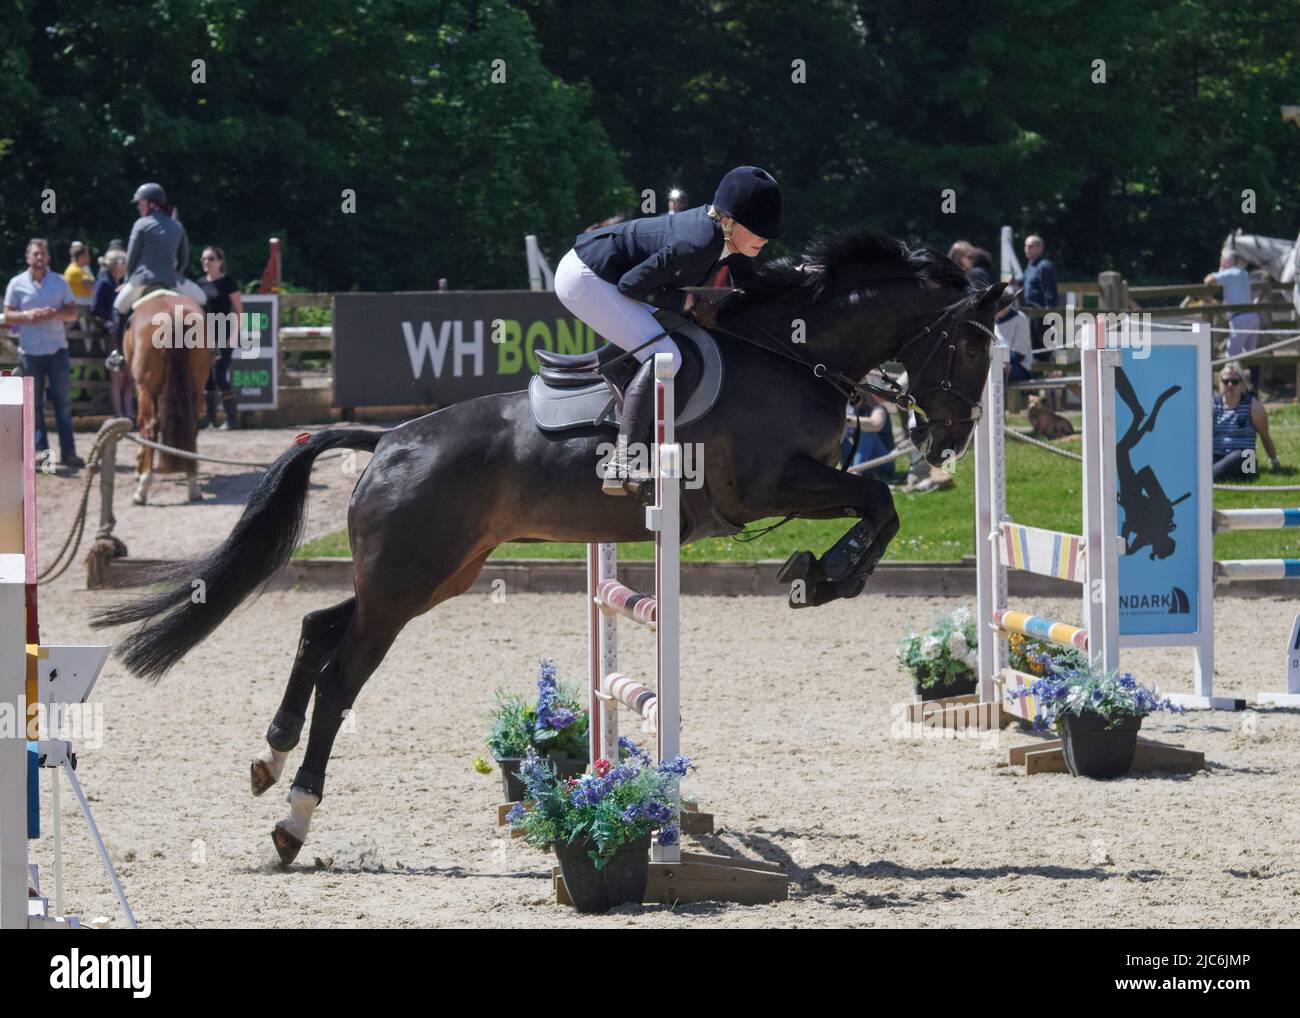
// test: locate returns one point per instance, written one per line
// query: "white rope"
(185, 454)
(1029, 440)
(906, 449)
(1294, 337)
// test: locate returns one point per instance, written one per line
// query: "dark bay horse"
(444, 490)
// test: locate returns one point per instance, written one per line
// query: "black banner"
(402, 349)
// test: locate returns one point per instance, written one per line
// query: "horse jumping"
(442, 491)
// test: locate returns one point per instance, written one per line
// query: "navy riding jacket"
(650, 259)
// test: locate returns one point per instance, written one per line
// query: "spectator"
(960, 253)
(81, 281)
(1238, 417)
(980, 267)
(1039, 290)
(875, 440)
(121, 386)
(678, 201)
(39, 302)
(224, 299)
(1243, 326)
(1012, 329)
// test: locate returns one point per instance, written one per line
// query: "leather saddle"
(568, 393)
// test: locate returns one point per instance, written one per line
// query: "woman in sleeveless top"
(1238, 418)
(615, 276)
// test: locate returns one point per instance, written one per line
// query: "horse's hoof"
(799, 566)
(139, 499)
(287, 844)
(262, 777)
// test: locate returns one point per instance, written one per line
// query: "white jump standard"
(33, 673)
(674, 875)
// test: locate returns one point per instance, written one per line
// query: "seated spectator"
(979, 268)
(1238, 418)
(875, 440)
(1012, 329)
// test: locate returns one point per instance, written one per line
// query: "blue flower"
(668, 836)
(678, 765)
(629, 747)
(634, 813)
(658, 813)
(516, 811)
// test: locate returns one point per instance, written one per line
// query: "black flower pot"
(567, 766)
(620, 881)
(940, 690)
(1095, 749)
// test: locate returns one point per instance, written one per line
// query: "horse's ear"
(990, 296)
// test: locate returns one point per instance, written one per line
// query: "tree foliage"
(866, 112)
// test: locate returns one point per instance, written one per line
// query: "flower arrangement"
(1025, 654)
(556, 725)
(945, 656)
(612, 806)
(1079, 690)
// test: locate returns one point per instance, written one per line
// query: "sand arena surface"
(791, 717)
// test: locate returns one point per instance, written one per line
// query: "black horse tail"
(206, 590)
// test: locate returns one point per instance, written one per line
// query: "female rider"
(614, 274)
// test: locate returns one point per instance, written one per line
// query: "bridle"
(918, 422)
(854, 391)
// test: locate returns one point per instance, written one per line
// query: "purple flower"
(658, 813)
(668, 836)
(560, 717)
(516, 811)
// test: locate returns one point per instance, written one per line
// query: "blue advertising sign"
(1158, 400)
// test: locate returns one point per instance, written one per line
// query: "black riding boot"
(210, 403)
(633, 432)
(115, 361)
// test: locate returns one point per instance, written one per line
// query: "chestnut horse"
(166, 346)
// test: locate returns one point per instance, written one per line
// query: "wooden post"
(1114, 291)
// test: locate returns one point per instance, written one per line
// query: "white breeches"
(129, 294)
(625, 322)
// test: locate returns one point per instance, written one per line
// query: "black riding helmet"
(151, 192)
(752, 197)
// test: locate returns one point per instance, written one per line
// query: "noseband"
(918, 422)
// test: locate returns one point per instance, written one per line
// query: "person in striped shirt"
(1238, 418)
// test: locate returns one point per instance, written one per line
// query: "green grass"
(1042, 490)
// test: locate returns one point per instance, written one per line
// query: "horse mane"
(838, 250)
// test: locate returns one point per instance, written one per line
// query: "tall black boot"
(115, 361)
(634, 429)
(210, 403)
(231, 402)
